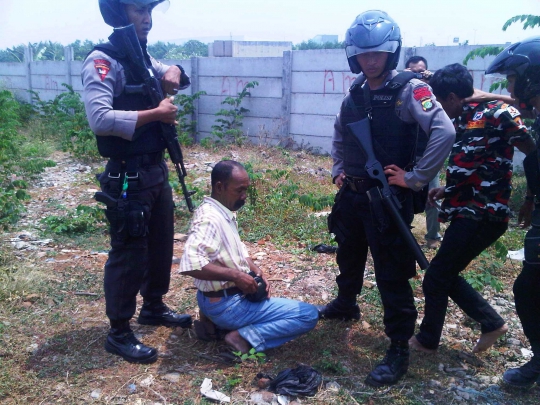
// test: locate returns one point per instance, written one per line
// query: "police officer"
(135, 182)
(521, 63)
(397, 105)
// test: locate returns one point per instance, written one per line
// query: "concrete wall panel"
(259, 107)
(230, 86)
(324, 104)
(241, 67)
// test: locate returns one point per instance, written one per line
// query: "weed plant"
(64, 119)
(186, 128)
(228, 127)
(274, 211)
(19, 160)
(84, 219)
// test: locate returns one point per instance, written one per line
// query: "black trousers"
(527, 291)
(463, 241)
(141, 241)
(394, 263)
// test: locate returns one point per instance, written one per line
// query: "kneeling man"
(219, 262)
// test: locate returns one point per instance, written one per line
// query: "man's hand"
(525, 214)
(245, 282)
(396, 176)
(340, 179)
(167, 111)
(255, 269)
(435, 194)
(170, 82)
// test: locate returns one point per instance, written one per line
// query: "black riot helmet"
(113, 12)
(373, 31)
(523, 60)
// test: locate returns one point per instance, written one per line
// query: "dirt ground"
(51, 341)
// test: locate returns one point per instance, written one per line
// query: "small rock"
(262, 398)
(148, 381)
(484, 379)
(473, 384)
(172, 377)
(464, 395)
(514, 342)
(369, 284)
(333, 386)
(95, 394)
(32, 348)
(498, 309)
(434, 383)
(365, 325)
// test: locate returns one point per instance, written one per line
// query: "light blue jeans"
(266, 324)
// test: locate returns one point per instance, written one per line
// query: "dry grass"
(52, 325)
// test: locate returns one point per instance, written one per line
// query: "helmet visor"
(161, 5)
(389, 46)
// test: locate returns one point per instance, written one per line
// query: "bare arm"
(219, 273)
(480, 96)
(165, 112)
(255, 269)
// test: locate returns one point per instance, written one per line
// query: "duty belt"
(359, 184)
(222, 293)
(148, 159)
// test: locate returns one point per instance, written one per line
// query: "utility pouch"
(117, 220)
(419, 200)
(532, 246)
(136, 219)
(334, 212)
(380, 219)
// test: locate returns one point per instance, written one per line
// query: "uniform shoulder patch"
(513, 111)
(102, 67)
(421, 92)
(427, 104)
(476, 124)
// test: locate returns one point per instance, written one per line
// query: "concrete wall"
(295, 102)
(248, 49)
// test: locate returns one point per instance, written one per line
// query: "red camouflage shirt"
(479, 173)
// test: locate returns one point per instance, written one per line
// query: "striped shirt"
(213, 238)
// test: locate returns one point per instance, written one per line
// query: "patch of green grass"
(84, 219)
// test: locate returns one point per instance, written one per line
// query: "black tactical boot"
(392, 368)
(524, 376)
(157, 313)
(339, 309)
(123, 343)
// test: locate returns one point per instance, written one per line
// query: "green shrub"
(83, 219)
(228, 127)
(64, 119)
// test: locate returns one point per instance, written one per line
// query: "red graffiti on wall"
(231, 86)
(51, 84)
(328, 81)
(347, 81)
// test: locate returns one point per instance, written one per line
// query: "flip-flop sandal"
(203, 331)
(322, 248)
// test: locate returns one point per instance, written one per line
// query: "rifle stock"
(361, 131)
(126, 39)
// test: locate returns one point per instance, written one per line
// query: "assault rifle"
(125, 38)
(362, 134)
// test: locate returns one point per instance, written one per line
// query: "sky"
(421, 21)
